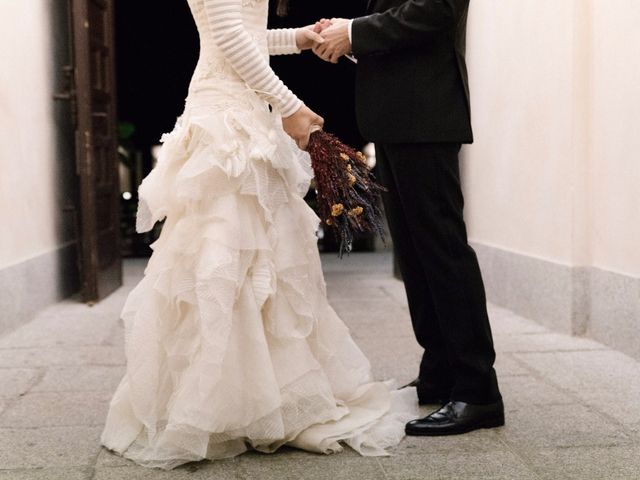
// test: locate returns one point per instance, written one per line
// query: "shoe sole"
(487, 424)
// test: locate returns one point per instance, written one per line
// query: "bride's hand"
(298, 126)
(309, 37)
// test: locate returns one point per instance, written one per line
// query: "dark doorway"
(92, 96)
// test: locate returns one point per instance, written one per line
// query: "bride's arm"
(240, 50)
(282, 41)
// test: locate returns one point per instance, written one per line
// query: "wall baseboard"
(591, 302)
(34, 284)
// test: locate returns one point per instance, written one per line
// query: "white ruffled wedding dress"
(230, 341)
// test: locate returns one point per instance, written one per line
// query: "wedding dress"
(230, 341)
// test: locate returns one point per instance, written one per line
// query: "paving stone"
(394, 322)
(400, 366)
(76, 307)
(116, 337)
(360, 310)
(380, 263)
(560, 426)
(358, 292)
(506, 322)
(501, 465)
(48, 447)
(288, 466)
(80, 378)
(4, 404)
(61, 357)
(17, 381)
(61, 331)
(521, 392)
(374, 346)
(542, 342)
(57, 409)
(219, 470)
(48, 474)
(395, 289)
(473, 442)
(397, 324)
(613, 463)
(353, 288)
(601, 379)
(107, 458)
(392, 358)
(506, 365)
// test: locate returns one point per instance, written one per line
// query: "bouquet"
(347, 192)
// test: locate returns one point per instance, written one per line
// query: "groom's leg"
(427, 182)
(436, 377)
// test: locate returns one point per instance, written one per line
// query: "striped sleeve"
(282, 41)
(241, 51)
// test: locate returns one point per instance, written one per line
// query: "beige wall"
(554, 172)
(30, 167)
(615, 134)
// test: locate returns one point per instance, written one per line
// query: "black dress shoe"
(456, 418)
(427, 397)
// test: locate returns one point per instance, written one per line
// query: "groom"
(412, 100)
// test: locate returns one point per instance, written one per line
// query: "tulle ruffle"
(230, 341)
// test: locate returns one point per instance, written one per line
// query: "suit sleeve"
(411, 24)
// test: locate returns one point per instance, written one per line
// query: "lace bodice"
(234, 50)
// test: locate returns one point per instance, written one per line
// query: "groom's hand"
(336, 40)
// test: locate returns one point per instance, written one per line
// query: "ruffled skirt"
(230, 340)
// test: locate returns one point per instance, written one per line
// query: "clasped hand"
(335, 33)
(329, 39)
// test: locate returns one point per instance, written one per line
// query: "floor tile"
(80, 378)
(501, 465)
(61, 356)
(84, 473)
(560, 426)
(542, 342)
(57, 409)
(608, 381)
(585, 463)
(63, 330)
(284, 466)
(17, 381)
(223, 470)
(522, 392)
(47, 447)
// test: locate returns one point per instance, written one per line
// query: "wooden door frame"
(95, 284)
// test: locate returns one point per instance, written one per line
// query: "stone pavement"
(573, 405)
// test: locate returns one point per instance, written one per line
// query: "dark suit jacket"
(411, 82)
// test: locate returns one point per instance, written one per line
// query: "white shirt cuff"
(350, 34)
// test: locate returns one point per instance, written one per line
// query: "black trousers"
(445, 291)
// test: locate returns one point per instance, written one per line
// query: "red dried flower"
(344, 182)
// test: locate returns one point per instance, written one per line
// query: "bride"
(231, 343)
